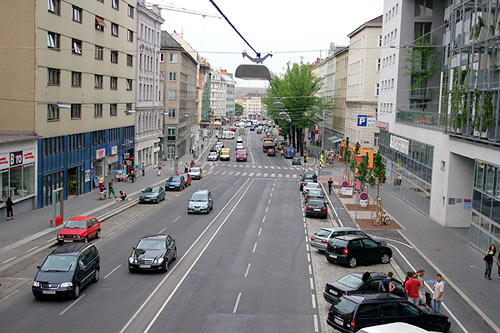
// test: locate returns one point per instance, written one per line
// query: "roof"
(70, 248)
(376, 22)
(202, 191)
(168, 42)
(6, 138)
(359, 298)
(159, 236)
(351, 237)
(81, 218)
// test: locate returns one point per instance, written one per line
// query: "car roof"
(352, 237)
(373, 275)
(74, 248)
(373, 297)
(201, 192)
(81, 218)
(158, 236)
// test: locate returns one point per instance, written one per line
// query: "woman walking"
(488, 259)
(10, 208)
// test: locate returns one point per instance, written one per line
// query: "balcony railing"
(430, 120)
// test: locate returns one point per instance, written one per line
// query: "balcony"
(433, 121)
(422, 94)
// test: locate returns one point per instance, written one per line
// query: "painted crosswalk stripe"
(265, 167)
(260, 166)
(272, 167)
(287, 176)
(251, 174)
(272, 175)
(280, 175)
(264, 175)
(248, 166)
(244, 173)
(294, 176)
(278, 168)
(258, 174)
(230, 173)
(222, 173)
(237, 173)
(242, 166)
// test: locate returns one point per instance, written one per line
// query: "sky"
(291, 29)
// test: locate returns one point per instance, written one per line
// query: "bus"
(228, 135)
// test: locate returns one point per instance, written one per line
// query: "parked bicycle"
(380, 219)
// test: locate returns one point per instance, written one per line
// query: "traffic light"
(322, 151)
(280, 132)
(305, 159)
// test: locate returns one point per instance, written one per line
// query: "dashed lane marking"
(248, 269)
(237, 302)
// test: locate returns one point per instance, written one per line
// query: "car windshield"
(194, 170)
(76, 224)
(351, 281)
(59, 263)
(315, 193)
(344, 306)
(322, 233)
(152, 190)
(309, 175)
(199, 197)
(175, 179)
(151, 244)
(315, 203)
(312, 186)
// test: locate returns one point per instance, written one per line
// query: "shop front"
(98, 165)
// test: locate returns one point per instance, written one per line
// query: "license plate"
(338, 321)
(146, 199)
(68, 241)
(144, 266)
(317, 210)
(171, 187)
(49, 292)
(333, 256)
(197, 209)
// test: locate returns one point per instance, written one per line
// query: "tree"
(296, 89)
(377, 176)
(238, 109)
(364, 173)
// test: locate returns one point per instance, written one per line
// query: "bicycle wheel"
(387, 220)
(377, 220)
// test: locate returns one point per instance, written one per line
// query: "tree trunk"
(301, 142)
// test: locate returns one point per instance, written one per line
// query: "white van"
(228, 135)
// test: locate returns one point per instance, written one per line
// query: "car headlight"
(159, 260)
(66, 285)
(204, 207)
(59, 236)
(131, 260)
(77, 236)
(36, 284)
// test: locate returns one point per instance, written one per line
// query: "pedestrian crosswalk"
(253, 166)
(252, 174)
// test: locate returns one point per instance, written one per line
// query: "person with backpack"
(386, 284)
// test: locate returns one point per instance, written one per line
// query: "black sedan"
(315, 207)
(153, 252)
(354, 283)
(152, 194)
(352, 250)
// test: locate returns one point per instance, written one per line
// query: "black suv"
(354, 312)
(67, 270)
(308, 177)
(153, 252)
(354, 249)
(315, 207)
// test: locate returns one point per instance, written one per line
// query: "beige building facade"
(341, 66)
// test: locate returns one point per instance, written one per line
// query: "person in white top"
(437, 294)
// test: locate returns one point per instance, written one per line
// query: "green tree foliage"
(347, 154)
(353, 160)
(296, 89)
(238, 109)
(377, 176)
(364, 173)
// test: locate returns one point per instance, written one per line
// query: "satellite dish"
(254, 72)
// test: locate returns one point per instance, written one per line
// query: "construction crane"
(162, 5)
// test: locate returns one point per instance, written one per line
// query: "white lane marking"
(305, 225)
(310, 269)
(237, 302)
(254, 247)
(52, 240)
(271, 192)
(112, 271)
(223, 173)
(287, 175)
(263, 219)
(333, 207)
(393, 240)
(190, 267)
(176, 219)
(242, 166)
(244, 173)
(268, 201)
(264, 175)
(308, 256)
(307, 247)
(251, 174)
(237, 173)
(313, 300)
(214, 188)
(311, 283)
(294, 176)
(267, 208)
(12, 293)
(429, 287)
(248, 269)
(265, 167)
(306, 239)
(71, 305)
(305, 231)
(272, 175)
(303, 217)
(260, 166)
(272, 167)
(33, 248)
(6, 261)
(315, 320)
(278, 168)
(260, 230)
(162, 230)
(230, 173)
(280, 175)
(258, 174)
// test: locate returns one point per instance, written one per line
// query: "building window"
(171, 113)
(76, 79)
(77, 46)
(172, 76)
(52, 112)
(172, 95)
(171, 134)
(172, 58)
(99, 23)
(114, 57)
(129, 84)
(115, 4)
(77, 14)
(53, 40)
(128, 107)
(130, 11)
(161, 57)
(130, 35)
(113, 83)
(377, 89)
(378, 65)
(130, 60)
(54, 76)
(76, 111)
(54, 6)
(97, 110)
(114, 29)
(423, 8)
(99, 51)
(98, 81)
(113, 110)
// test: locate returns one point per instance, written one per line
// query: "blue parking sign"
(362, 120)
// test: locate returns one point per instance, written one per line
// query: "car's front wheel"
(96, 275)
(352, 262)
(76, 291)
(165, 266)
(86, 239)
(385, 258)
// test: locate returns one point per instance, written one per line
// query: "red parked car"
(79, 229)
(271, 152)
(187, 178)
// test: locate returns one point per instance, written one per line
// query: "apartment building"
(218, 94)
(230, 94)
(362, 84)
(341, 67)
(149, 87)
(252, 106)
(181, 71)
(205, 113)
(448, 156)
(70, 84)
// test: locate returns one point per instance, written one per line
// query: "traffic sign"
(362, 120)
(345, 184)
(363, 196)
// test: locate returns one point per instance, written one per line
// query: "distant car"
(152, 194)
(354, 284)
(351, 313)
(314, 194)
(271, 152)
(296, 161)
(79, 229)
(241, 155)
(239, 139)
(310, 186)
(213, 156)
(225, 154)
(200, 202)
(153, 252)
(289, 152)
(195, 173)
(232, 129)
(308, 177)
(67, 270)
(187, 178)
(321, 237)
(175, 183)
(239, 146)
(259, 131)
(316, 208)
(252, 128)
(353, 250)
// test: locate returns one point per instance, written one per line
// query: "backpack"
(382, 287)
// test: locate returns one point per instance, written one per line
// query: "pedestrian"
(386, 284)
(421, 288)
(111, 189)
(132, 176)
(186, 167)
(159, 169)
(411, 288)
(191, 164)
(282, 152)
(9, 204)
(123, 195)
(330, 185)
(143, 169)
(101, 183)
(488, 259)
(498, 263)
(437, 293)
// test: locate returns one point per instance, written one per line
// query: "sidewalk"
(446, 248)
(28, 224)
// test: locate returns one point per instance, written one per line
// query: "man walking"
(437, 295)
(9, 204)
(159, 169)
(143, 169)
(111, 189)
(386, 284)
(421, 288)
(330, 185)
(411, 288)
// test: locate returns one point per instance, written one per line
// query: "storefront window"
(478, 182)
(475, 218)
(497, 186)
(490, 178)
(29, 179)
(16, 183)
(5, 185)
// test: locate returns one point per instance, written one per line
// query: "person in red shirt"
(411, 288)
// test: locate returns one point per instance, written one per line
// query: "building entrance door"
(73, 181)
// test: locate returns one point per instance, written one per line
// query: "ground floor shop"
(147, 153)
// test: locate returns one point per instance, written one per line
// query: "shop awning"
(335, 139)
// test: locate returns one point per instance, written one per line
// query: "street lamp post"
(322, 143)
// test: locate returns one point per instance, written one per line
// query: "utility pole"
(322, 142)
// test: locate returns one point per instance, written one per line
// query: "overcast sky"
(269, 26)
